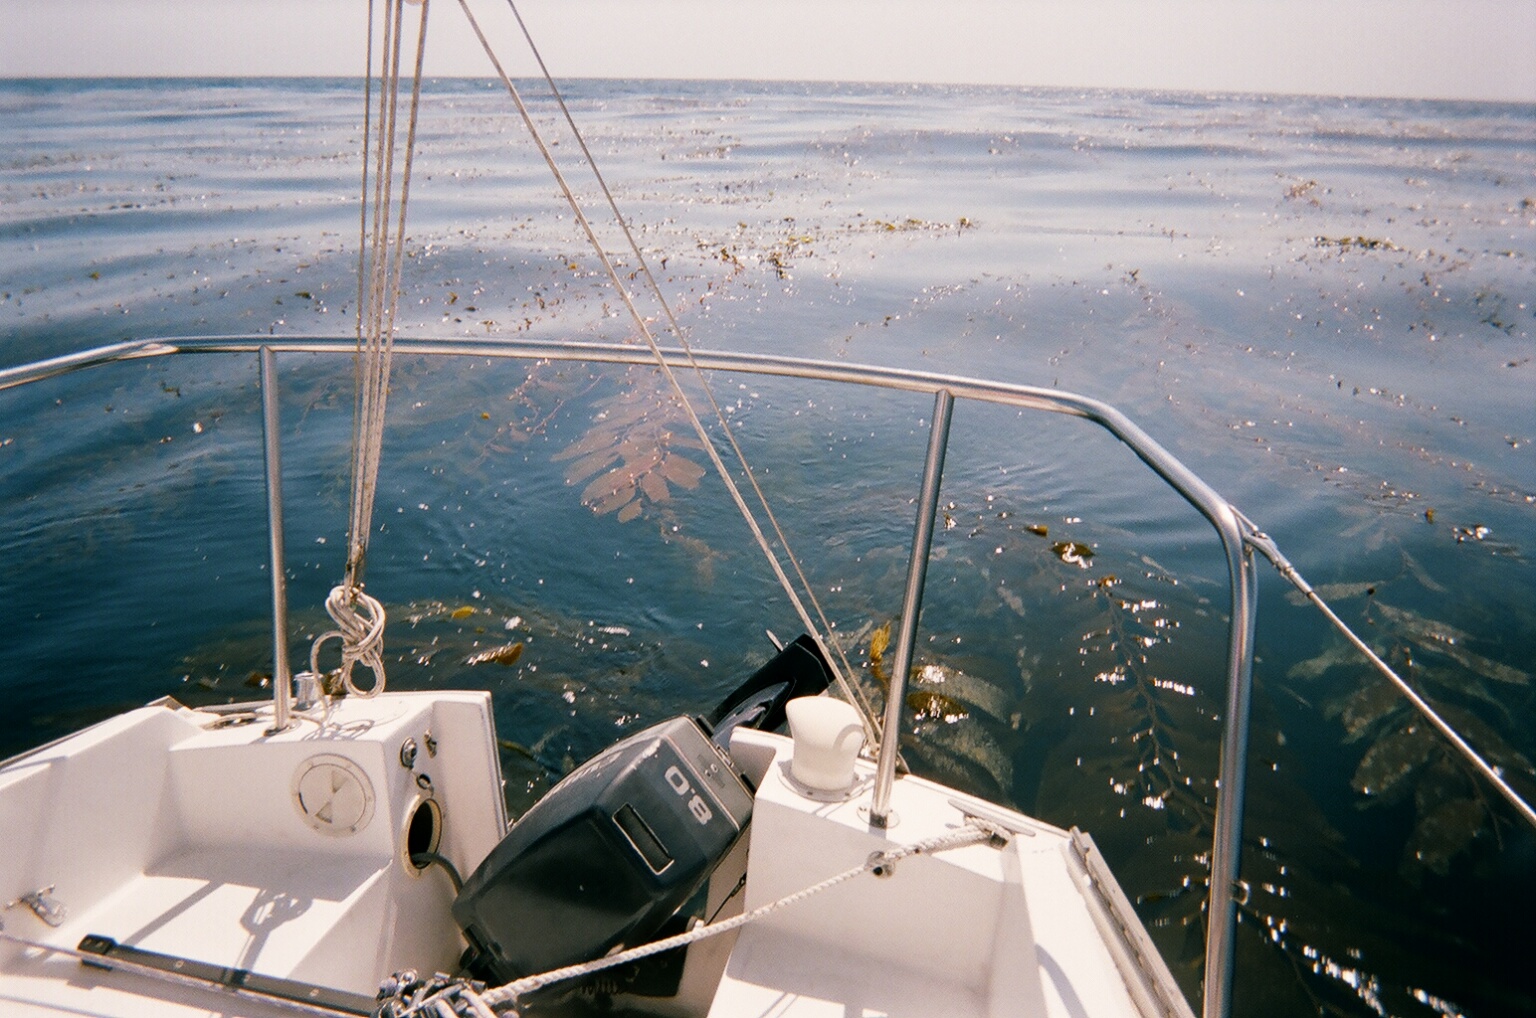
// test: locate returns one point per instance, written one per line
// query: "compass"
(333, 795)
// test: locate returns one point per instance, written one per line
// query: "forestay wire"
(831, 651)
(360, 617)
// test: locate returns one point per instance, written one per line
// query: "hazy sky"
(1480, 49)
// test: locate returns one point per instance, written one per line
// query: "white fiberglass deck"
(177, 832)
(193, 835)
(978, 930)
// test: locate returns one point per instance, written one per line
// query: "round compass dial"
(333, 795)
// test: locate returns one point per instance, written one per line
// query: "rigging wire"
(828, 647)
(359, 617)
(1255, 537)
(362, 206)
(386, 263)
(832, 651)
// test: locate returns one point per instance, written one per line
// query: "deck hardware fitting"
(43, 905)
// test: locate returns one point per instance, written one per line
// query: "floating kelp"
(1444, 831)
(1357, 243)
(1073, 553)
(879, 640)
(960, 724)
(1391, 759)
(629, 456)
(1336, 591)
(1440, 638)
(958, 692)
(1313, 324)
(1359, 711)
(927, 705)
(506, 655)
(1404, 756)
(964, 754)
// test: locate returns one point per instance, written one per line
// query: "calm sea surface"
(1324, 307)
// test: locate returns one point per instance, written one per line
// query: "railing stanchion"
(282, 681)
(911, 604)
(1227, 842)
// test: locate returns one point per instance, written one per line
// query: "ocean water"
(1325, 307)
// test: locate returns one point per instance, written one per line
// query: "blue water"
(1324, 306)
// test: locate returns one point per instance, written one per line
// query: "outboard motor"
(625, 841)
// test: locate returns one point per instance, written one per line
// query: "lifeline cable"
(1266, 546)
(881, 864)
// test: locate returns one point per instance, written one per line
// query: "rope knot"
(407, 995)
(359, 622)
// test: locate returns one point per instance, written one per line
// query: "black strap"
(226, 977)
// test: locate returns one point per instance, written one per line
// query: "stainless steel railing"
(272, 462)
(1231, 527)
(1238, 536)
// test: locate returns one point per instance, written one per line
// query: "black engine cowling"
(623, 842)
(608, 855)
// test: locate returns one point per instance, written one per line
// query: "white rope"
(388, 258)
(360, 618)
(879, 863)
(407, 995)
